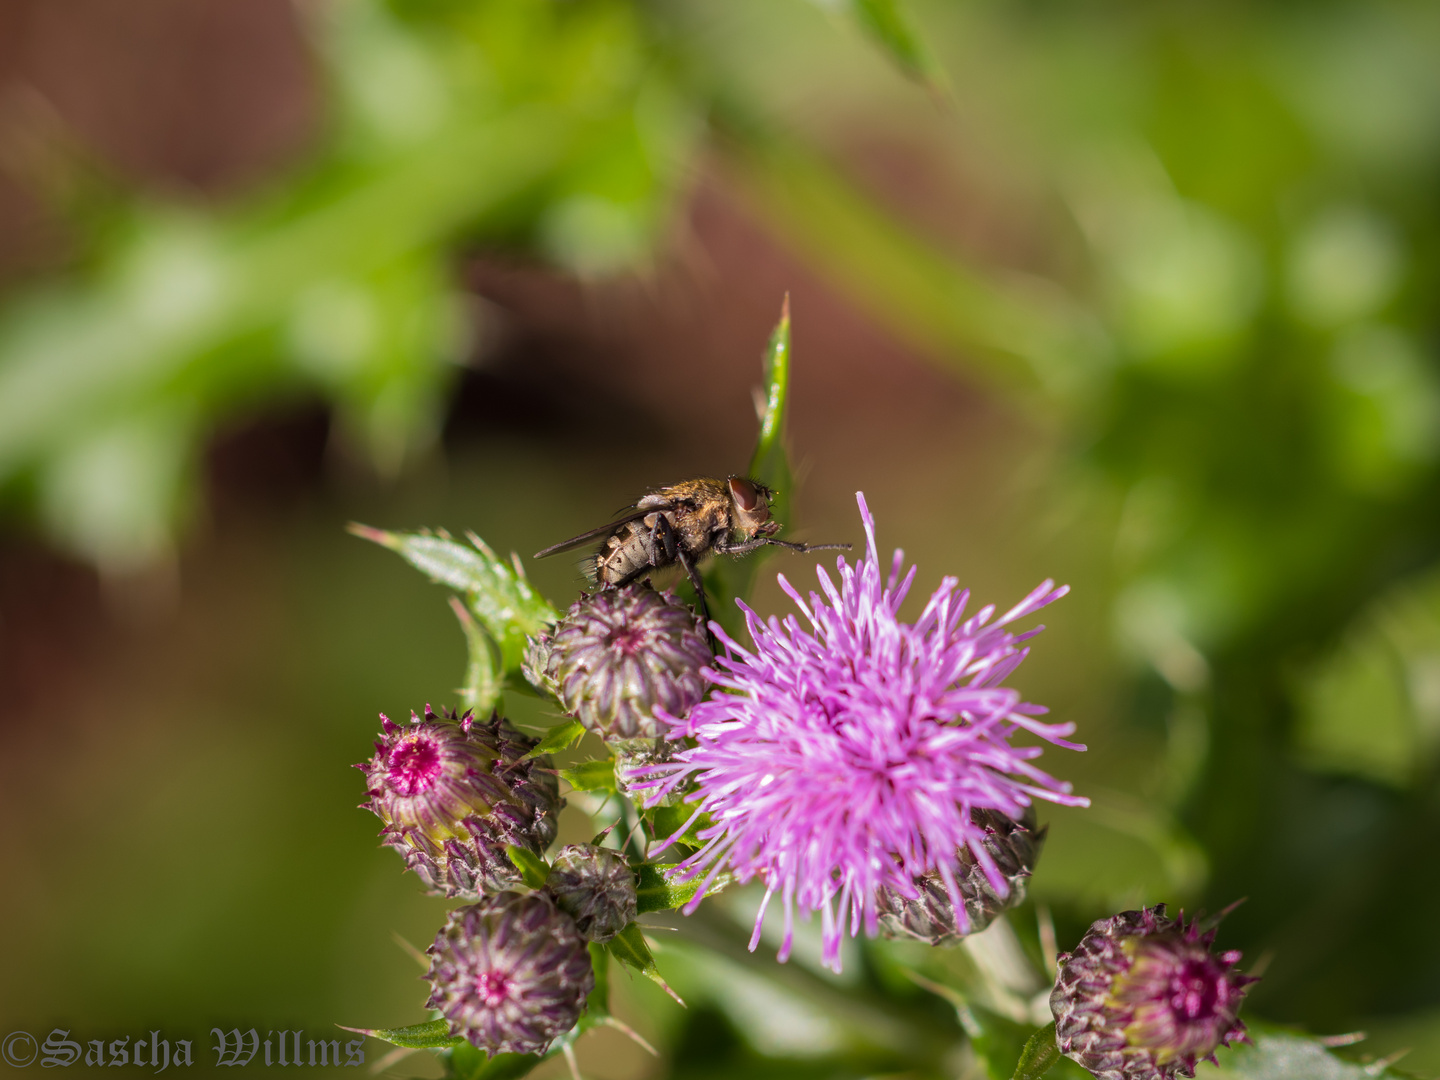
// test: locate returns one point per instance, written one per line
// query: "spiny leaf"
(1039, 1055)
(534, 871)
(430, 1035)
(591, 775)
(655, 892)
(597, 1005)
(664, 820)
(496, 592)
(559, 738)
(630, 948)
(481, 691)
(768, 462)
(729, 579)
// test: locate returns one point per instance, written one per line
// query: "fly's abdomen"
(624, 556)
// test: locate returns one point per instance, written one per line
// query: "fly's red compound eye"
(744, 494)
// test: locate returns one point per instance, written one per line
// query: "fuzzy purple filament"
(846, 755)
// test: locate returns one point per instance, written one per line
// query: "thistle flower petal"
(846, 755)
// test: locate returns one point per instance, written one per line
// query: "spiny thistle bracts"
(930, 916)
(510, 974)
(847, 756)
(619, 654)
(454, 793)
(595, 887)
(1143, 998)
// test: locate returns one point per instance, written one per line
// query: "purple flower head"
(1143, 998)
(618, 655)
(454, 792)
(844, 753)
(510, 974)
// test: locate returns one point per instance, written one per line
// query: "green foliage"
(557, 127)
(656, 892)
(729, 579)
(888, 24)
(560, 738)
(464, 1062)
(1039, 1054)
(1281, 1055)
(534, 871)
(631, 949)
(481, 689)
(1386, 671)
(431, 1035)
(496, 593)
(591, 775)
(665, 820)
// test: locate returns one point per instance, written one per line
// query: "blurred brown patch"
(197, 97)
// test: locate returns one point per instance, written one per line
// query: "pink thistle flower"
(847, 755)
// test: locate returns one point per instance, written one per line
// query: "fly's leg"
(747, 546)
(667, 538)
(693, 572)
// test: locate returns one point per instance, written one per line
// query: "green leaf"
(630, 948)
(496, 592)
(560, 737)
(1283, 1055)
(1039, 1055)
(481, 691)
(655, 892)
(887, 23)
(432, 1034)
(534, 870)
(664, 820)
(769, 463)
(730, 579)
(596, 775)
(597, 1005)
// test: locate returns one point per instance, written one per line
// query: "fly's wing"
(592, 535)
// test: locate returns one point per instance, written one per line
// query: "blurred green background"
(1139, 296)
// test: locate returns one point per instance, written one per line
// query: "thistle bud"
(1143, 998)
(634, 759)
(510, 974)
(453, 795)
(596, 888)
(616, 656)
(930, 916)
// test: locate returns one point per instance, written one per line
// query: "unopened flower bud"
(596, 888)
(1143, 998)
(930, 916)
(617, 655)
(634, 762)
(510, 974)
(453, 795)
